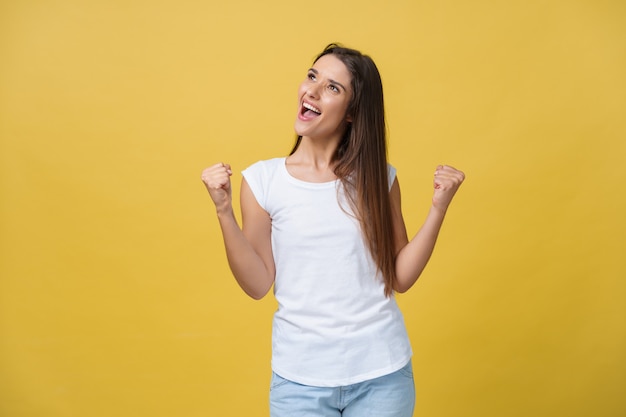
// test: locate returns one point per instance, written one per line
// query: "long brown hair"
(361, 159)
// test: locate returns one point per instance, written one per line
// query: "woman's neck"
(312, 161)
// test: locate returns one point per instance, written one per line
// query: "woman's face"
(324, 97)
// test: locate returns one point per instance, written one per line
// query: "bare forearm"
(412, 258)
(247, 266)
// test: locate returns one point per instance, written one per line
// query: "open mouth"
(310, 111)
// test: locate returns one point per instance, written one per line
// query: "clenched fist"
(446, 183)
(216, 179)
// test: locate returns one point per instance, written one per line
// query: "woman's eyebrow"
(316, 72)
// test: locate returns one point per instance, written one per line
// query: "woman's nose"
(312, 90)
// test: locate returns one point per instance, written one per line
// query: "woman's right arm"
(249, 250)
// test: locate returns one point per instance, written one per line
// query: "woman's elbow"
(401, 288)
(257, 293)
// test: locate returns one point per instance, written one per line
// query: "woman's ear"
(348, 118)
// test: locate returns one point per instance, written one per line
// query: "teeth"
(310, 107)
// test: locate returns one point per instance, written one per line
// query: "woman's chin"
(300, 128)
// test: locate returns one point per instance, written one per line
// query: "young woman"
(325, 227)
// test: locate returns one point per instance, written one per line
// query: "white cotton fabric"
(334, 326)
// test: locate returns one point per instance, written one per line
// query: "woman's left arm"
(412, 256)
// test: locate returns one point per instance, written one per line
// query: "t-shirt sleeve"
(391, 174)
(255, 175)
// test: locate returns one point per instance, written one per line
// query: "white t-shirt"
(334, 326)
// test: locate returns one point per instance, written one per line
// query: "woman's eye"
(311, 76)
(333, 88)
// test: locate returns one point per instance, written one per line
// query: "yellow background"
(115, 296)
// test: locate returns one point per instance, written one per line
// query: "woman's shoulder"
(261, 175)
(268, 163)
(265, 167)
(391, 174)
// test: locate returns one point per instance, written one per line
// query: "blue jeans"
(391, 395)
